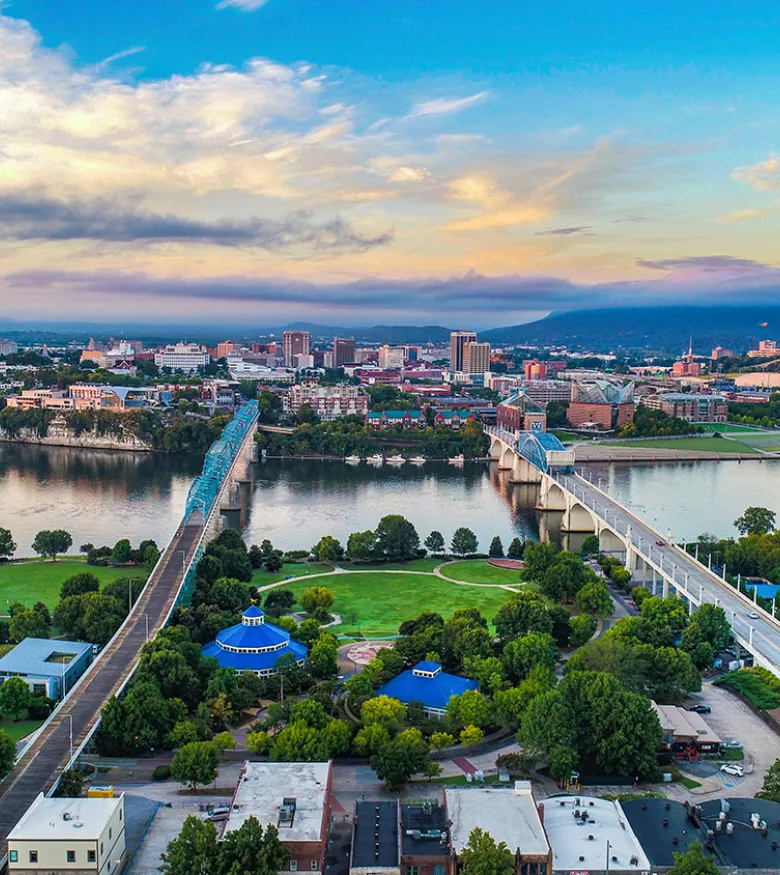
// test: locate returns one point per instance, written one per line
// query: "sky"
(356, 162)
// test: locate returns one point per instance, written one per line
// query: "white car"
(733, 769)
(733, 744)
(753, 616)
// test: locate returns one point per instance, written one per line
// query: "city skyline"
(383, 163)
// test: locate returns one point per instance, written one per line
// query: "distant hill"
(377, 333)
(663, 329)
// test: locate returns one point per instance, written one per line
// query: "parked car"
(217, 814)
(733, 769)
(700, 709)
(732, 745)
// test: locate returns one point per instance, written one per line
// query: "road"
(46, 756)
(761, 636)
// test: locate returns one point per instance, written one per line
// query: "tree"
(582, 629)
(278, 602)
(15, 697)
(483, 856)
(471, 735)
(755, 521)
(522, 613)
(496, 548)
(252, 849)
(361, 545)
(256, 557)
(399, 759)
(434, 543)
(440, 740)
(565, 577)
(385, 711)
(51, 542)
(516, 549)
(771, 786)
(396, 539)
(469, 709)
(432, 770)
(122, 552)
(316, 600)
(668, 613)
(194, 851)
(28, 624)
(231, 595)
(694, 861)
(196, 763)
(273, 563)
(594, 598)
(464, 541)
(714, 625)
(296, 743)
(370, 739)
(7, 544)
(7, 753)
(538, 559)
(590, 545)
(70, 785)
(328, 549)
(78, 584)
(324, 657)
(184, 732)
(524, 654)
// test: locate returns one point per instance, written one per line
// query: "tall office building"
(295, 343)
(458, 340)
(343, 351)
(476, 358)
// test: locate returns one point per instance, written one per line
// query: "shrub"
(758, 685)
(161, 773)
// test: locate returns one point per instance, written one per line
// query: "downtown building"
(328, 402)
(185, 357)
(690, 406)
(295, 343)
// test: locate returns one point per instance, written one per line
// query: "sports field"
(31, 581)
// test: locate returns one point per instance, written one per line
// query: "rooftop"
(747, 847)
(684, 724)
(253, 644)
(579, 828)
(605, 392)
(433, 692)
(375, 836)
(662, 827)
(264, 788)
(424, 830)
(522, 402)
(42, 656)
(690, 396)
(509, 816)
(56, 819)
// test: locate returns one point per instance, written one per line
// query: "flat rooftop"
(263, 788)
(424, 830)
(42, 656)
(579, 828)
(684, 724)
(56, 819)
(662, 827)
(375, 836)
(509, 815)
(746, 847)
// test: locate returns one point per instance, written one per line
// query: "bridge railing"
(218, 462)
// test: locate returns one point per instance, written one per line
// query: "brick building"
(607, 405)
(521, 413)
(397, 419)
(691, 406)
(328, 402)
(295, 798)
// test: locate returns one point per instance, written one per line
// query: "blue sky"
(375, 160)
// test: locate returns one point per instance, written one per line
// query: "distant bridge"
(652, 559)
(226, 470)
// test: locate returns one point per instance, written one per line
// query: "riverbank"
(91, 441)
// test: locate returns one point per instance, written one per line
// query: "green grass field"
(726, 427)
(290, 569)
(427, 564)
(30, 582)
(372, 603)
(478, 571)
(19, 730)
(705, 444)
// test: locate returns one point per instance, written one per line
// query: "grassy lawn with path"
(376, 603)
(290, 569)
(479, 571)
(21, 729)
(30, 582)
(705, 444)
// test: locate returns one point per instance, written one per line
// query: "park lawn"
(705, 444)
(290, 569)
(724, 427)
(30, 582)
(478, 571)
(21, 729)
(427, 564)
(376, 603)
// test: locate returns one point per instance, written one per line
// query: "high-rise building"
(226, 348)
(476, 358)
(343, 351)
(766, 349)
(458, 340)
(295, 343)
(391, 357)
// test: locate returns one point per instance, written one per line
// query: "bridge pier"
(523, 471)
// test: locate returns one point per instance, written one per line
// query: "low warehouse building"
(50, 667)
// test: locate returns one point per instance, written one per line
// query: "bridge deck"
(702, 585)
(44, 759)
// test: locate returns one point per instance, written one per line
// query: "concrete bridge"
(227, 468)
(653, 560)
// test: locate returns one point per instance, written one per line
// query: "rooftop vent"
(287, 811)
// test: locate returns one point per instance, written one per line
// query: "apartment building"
(391, 357)
(295, 343)
(691, 406)
(476, 358)
(186, 357)
(343, 351)
(328, 402)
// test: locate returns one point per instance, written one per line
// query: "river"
(101, 496)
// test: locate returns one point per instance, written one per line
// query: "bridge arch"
(578, 519)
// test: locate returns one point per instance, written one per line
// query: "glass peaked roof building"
(254, 645)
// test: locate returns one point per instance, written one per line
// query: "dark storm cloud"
(35, 217)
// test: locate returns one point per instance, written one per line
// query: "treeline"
(654, 423)
(351, 436)
(764, 413)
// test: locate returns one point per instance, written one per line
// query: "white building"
(69, 835)
(187, 357)
(328, 402)
(304, 361)
(241, 370)
(8, 347)
(391, 357)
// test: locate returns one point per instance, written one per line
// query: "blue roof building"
(50, 667)
(427, 683)
(254, 645)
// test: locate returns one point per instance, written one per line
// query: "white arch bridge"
(653, 561)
